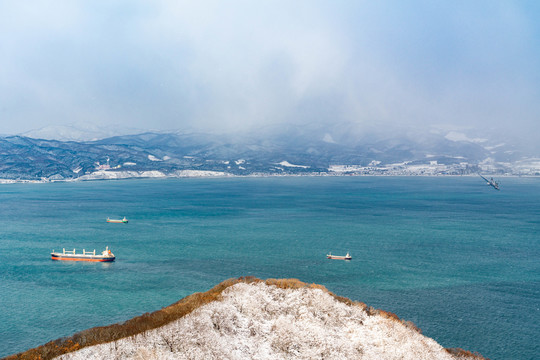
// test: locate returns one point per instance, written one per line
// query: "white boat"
(339, 257)
(121, 221)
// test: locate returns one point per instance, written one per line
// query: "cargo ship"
(71, 255)
(339, 257)
(121, 221)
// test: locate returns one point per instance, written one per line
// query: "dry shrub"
(389, 315)
(49, 350)
(348, 301)
(371, 311)
(317, 286)
(464, 354)
(412, 326)
(287, 283)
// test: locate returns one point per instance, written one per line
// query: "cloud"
(239, 64)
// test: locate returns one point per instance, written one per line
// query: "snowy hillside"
(260, 321)
(78, 132)
(292, 150)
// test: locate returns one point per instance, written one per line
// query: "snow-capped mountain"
(78, 132)
(292, 149)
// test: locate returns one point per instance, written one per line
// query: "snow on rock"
(288, 164)
(12, 181)
(115, 175)
(328, 139)
(259, 321)
(153, 158)
(489, 148)
(197, 173)
(457, 136)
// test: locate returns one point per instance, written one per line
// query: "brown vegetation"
(149, 321)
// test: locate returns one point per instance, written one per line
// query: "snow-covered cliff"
(274, 320)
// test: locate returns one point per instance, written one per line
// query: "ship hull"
(333, 257)
(91, 258)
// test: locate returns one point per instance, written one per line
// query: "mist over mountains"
(69, 153)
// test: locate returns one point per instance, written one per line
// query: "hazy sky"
(237, 64)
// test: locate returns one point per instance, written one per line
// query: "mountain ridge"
(291, 150)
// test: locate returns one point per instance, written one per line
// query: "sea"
(456, 257)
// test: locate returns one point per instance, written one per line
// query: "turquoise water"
(456, 257)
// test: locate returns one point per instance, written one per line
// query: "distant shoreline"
(210, 174)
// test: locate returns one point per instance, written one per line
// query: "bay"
(451, 254)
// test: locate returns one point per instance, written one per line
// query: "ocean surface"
(451, 254)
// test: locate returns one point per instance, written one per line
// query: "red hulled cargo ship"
(71, 255)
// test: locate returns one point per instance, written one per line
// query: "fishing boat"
(71, 255)
(118, 221)
(339, 257)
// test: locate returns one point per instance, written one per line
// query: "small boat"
(71, 255)
(338, 257)
(120, 221)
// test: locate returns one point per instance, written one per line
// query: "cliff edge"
(248, 318)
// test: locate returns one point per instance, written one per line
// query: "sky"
(240, 64)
